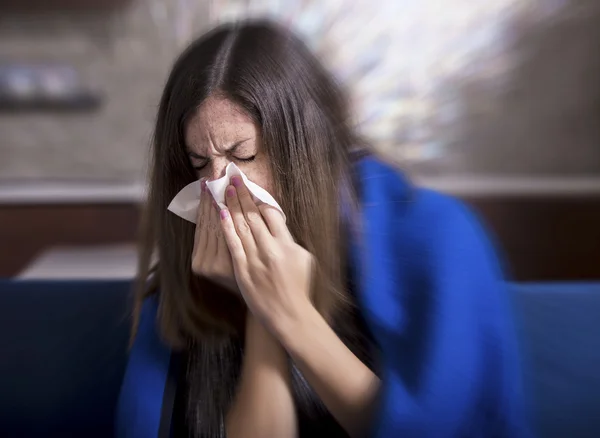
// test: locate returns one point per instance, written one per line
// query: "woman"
(377, 309)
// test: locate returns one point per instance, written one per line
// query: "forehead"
(218, 120)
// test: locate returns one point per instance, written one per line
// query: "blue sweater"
(432, 293)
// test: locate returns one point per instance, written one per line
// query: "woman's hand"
(273, 272)
(274, 276)
(210, 256)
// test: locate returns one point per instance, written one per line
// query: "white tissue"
(185, 204)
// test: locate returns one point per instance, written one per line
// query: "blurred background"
(497, 102)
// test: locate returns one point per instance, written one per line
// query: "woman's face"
(221, 132)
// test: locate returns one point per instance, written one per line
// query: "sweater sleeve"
(450, 360)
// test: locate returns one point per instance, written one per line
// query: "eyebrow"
(231, 149)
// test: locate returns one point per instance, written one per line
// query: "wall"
(544, 121)
(547, 119)
(126, 55)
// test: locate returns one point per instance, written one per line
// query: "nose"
(217, 168)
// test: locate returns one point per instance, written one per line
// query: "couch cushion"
(560, 329)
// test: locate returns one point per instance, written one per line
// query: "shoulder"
(427, 222)
(445, 225)
(431, 284)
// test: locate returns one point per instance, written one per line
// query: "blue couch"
(63, 350)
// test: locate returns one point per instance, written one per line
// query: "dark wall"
(545, 238)
(27, 230)
(542, 238)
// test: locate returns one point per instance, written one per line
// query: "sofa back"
(64, 351)
(63, 347)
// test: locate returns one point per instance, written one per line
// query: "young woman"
(377, 309)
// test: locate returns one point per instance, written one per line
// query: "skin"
(216, 135)
(250, 248)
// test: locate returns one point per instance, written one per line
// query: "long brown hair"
(305, 132)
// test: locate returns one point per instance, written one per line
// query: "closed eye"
(201, 165)
(239, 159)
(245, 160)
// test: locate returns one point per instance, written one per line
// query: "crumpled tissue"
(185, 204)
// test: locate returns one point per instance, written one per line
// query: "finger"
(221, 250)
(203, 208)
(274, 220)
(239, 221)
(212, 226)
(259, 228)
(233, 241)
(203, 211)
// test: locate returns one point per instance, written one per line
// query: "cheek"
(259, 173)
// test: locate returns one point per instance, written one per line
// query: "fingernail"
(203, 185)
(236, 181)
(230, 192)
(224, 213)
